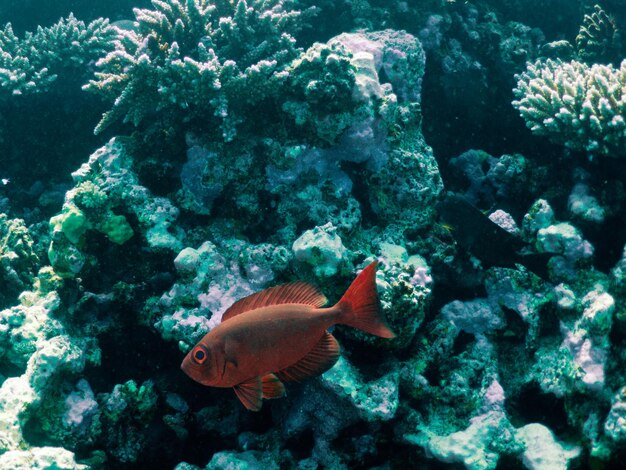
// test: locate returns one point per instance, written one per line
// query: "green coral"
(107, 184)
(215, 61)
(598, 39)
(117, 229)
(32, 64)
(127, 413)
(581, 107)
(72, 222)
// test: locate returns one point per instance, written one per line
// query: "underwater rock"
(18, 259)
(105, 182)
(46, 354)
(249, 459)
(543, 451)
(615, 425)
(475, 446)
(322, 249)
(198, 194)
(539, 216)
(127, 412)
(487, 179)
(473, 316)
(376, 400)
(41, 457)
(584, 205)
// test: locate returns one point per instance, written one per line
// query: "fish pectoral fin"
(250, 393)
(291, 293)
(317, 361)
(272, 386)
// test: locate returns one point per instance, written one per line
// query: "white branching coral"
(32, 64)
(212, 59)
(580, 106)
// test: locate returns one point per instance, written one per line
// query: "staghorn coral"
(33, 64)
(214, 61)
(599, 38)
(581, 107)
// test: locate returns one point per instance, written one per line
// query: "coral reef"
(242, 144)
(105, 182)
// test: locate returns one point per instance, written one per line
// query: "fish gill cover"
(242, 145)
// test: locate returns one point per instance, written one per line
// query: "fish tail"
(360, 307)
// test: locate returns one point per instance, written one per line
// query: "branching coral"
(573, 104)
(599, 38)
(214, 60)
(32, 64)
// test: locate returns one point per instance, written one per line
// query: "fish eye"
(199, 355)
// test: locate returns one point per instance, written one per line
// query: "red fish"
(279, 335)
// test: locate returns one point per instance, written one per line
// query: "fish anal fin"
(291, 293)
(272, 386)
(317, 361)
(250, 393)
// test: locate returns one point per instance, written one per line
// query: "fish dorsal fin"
(272, 386)
(317, 361)
(292, 293)
(250, 393)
